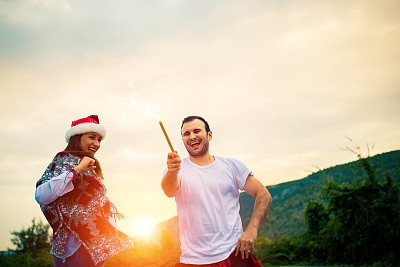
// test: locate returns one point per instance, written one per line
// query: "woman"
(73, 199)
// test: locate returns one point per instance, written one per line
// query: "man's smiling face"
(195, 138)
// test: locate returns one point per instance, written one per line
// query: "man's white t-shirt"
(208, 209)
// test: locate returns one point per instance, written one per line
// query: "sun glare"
(143, 226)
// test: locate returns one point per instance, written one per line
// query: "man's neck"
(203, 160)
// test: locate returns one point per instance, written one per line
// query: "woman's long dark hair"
(74, 148)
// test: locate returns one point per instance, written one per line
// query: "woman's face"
(90, 142)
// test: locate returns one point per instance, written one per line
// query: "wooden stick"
(166, 136)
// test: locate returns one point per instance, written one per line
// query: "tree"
(316, 218)
(364, 224)
(280, 251)
(33, 239)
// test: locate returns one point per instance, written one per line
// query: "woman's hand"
(86, 164)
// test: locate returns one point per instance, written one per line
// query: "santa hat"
(85, 125)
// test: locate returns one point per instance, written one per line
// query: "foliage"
(281, 251)
(11, 258)
(32, 239)
(32, 247)
(365, 223)
(354, 224)
(42, 258)
(316, 218)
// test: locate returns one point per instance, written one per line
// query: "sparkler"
(151, 114)
(166, 136)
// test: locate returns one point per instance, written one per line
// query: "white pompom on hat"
(85, 125)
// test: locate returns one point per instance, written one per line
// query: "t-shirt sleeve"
(241, 173)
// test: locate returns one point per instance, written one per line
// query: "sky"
(284, 86)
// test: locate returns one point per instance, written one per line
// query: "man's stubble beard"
(203, 151)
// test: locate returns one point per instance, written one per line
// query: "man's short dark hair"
(192, 118)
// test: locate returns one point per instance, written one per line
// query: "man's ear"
(209, 135)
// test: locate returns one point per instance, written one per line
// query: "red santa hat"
(85, 125)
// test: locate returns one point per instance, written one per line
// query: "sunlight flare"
(143, 226)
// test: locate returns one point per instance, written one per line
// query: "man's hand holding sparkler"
(171, 181)
(173, 162)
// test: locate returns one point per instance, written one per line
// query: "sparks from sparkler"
(131, 101)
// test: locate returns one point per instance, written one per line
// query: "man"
(206, 190)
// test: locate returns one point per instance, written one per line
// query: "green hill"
(289, 199)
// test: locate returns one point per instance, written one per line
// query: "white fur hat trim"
(85, 128)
